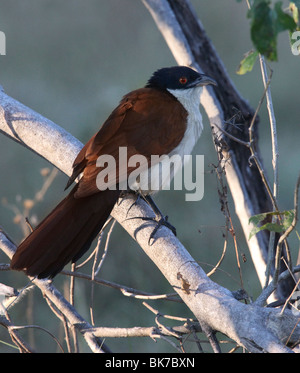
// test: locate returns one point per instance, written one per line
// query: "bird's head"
(178, 78)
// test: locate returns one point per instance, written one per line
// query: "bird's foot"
(126, 193)
(160, 221)
(159, 218)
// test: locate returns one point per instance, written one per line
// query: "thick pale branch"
(254, 327)
(139, 331)
(38, 134)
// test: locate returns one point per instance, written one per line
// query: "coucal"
(163, 118)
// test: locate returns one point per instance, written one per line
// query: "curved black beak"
(204, 80)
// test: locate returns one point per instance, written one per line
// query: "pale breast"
(161, 173)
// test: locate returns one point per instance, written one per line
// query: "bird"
(161, 118)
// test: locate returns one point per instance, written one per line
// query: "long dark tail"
(65, 234)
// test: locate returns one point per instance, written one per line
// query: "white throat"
(190, 100)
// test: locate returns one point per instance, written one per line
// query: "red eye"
(183, 80)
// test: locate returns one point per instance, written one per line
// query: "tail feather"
(65, 234)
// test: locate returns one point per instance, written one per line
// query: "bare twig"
(105, 248)
(63, 319)
(72, 302)
(223, 198)
(261, 299)
(164, 330)
(19, 342)
(284, 236)
(289, 298)
(216, 267)
(275, 155)
(125, 290)
(14, 327)
(39, 196)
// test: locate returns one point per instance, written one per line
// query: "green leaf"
(296, 2)
(256, 220)
(262, 30)
(247, 62)
(282, 21)
(294, 8)
(266, 23)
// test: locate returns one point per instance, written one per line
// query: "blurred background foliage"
(72, 61)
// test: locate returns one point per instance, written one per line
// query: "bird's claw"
(162, 221)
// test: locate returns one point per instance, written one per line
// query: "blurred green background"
(72, 61)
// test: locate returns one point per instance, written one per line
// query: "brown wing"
(147, 122)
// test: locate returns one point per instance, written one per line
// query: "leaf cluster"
(263, 221)
(267, 20)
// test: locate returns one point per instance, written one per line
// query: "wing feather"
(139, 124)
